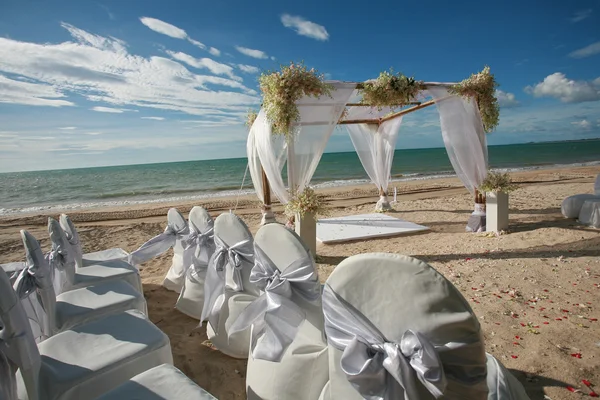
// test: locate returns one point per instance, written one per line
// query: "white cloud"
(581, 15)
(32, 94)
(205, 63)
(304, 27)
(583, 124)
(249, 69)
(587, 51)
(102, 70)
(252, 52)
(567, 90)
(109, 110)
(68, 128)
(506, 99)
(154, 118)
(93, 133)
(171, 30)
(163, 27)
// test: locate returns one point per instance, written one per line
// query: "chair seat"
(106, 271)
(83, 305)
(164, 382)
(104, 255)
(88, 361)
(12, 269)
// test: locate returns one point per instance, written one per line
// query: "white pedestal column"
(496, 211)
(306, 228)
(267, 216)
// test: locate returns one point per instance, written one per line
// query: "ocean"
(71, 189)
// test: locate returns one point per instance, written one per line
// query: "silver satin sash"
(156, 246)
(203, 243)
(17, 347)
(224, 256)
(274, 314)
(377, 368)
(34, 285)
(60, 261)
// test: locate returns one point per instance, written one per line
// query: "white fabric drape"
(464, 137)
(375, 146)
(271, 152)
(254, 166)
(318, 118)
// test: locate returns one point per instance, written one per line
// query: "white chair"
(397, 329)
(164, 382)
(93, 258)
(63, 258)
(227, 287)
(174, 235)
(590, 213)
(74, 307)
(201, 244)
(571, 206)
(108, 269)
(82, 363)
(288, 350)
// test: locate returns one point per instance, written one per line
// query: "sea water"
(181, 181)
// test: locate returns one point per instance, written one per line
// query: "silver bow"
(274, 314)
(214, 285)
(202, 243)
(377, 368)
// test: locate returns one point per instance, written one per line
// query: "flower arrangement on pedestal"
(306, 202)
(496, 182)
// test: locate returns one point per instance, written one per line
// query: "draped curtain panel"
(375, 146)
(271, 152)
(254, 166)
(464, 137)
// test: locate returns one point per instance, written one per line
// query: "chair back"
(18, 349)
(62, 258)
(73, 238)
(201, 238)
(397, 329)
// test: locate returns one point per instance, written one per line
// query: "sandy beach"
(534, 289)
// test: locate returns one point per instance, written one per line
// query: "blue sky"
(90, 83)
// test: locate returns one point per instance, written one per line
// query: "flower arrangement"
(304, 202)
(250, 118)
(482, 86)
(390, 90)
(497, 182)
(281, 90)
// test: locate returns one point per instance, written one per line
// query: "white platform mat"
(365, 226)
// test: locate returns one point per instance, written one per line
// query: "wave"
(228, 191)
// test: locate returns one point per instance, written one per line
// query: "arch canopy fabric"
(373, 133)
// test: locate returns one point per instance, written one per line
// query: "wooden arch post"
(268, 216)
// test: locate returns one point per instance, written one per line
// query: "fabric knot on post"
(224, 256)
(275, 315)
(376, 367)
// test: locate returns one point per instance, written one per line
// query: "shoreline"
(229, 196)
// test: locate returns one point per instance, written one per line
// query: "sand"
(534, 289)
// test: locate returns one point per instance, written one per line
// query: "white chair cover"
(88, 259)
(201, 244)
(502, 385)
(103, 265)
(571, 206)
(228, 290)
(397, 329)
(288, 351)
(68, 277)
(76, 306)
(89, 360)
(17, 346)
(164, 382)
(590, 213)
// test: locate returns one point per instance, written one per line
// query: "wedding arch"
(300, 111)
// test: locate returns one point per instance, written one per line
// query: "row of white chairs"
(384, 326)
(94, 339)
